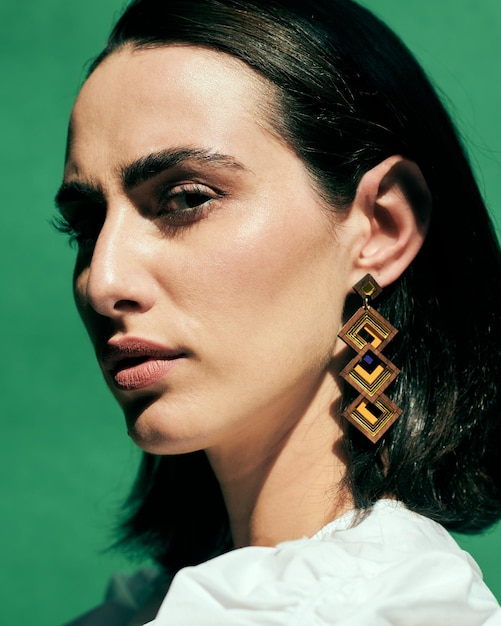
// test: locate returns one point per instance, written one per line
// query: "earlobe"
(395, 202)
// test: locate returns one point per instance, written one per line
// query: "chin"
(160, 443)
(155, 432)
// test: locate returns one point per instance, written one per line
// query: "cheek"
(270, 276)
(79, 282)
(88, 316)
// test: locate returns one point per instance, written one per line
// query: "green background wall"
(66, 461)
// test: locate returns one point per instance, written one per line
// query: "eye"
(186, 203)
(82, 225)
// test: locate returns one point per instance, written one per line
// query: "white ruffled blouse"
(394, 567)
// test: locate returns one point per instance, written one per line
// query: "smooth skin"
(235, 261)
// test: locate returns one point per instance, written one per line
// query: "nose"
(117, 280)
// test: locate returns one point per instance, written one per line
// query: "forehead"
(138, 99)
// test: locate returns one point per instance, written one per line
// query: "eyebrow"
(149, 166)
(75, 191)
(143, 169)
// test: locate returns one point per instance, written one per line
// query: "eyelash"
(83, 232)
(186, 214)
(80, 233)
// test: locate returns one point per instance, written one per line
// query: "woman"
(234, 169)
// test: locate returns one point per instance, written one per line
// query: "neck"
(279, 486)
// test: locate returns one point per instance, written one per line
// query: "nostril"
(125, 306)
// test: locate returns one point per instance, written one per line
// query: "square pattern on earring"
(365, 327)
(370, 372)
(372, 417)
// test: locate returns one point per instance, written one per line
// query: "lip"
(134, 363)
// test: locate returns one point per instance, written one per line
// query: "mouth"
(134, 364)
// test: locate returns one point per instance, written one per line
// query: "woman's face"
(209, 275)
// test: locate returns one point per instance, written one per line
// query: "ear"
(394, 203)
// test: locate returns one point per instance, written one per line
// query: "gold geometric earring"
(370, 372)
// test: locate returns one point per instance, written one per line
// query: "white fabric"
(392, 568)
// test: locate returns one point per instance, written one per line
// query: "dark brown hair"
(350, 95)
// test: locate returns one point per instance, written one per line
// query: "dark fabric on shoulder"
(108, 614)
(130, 600)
